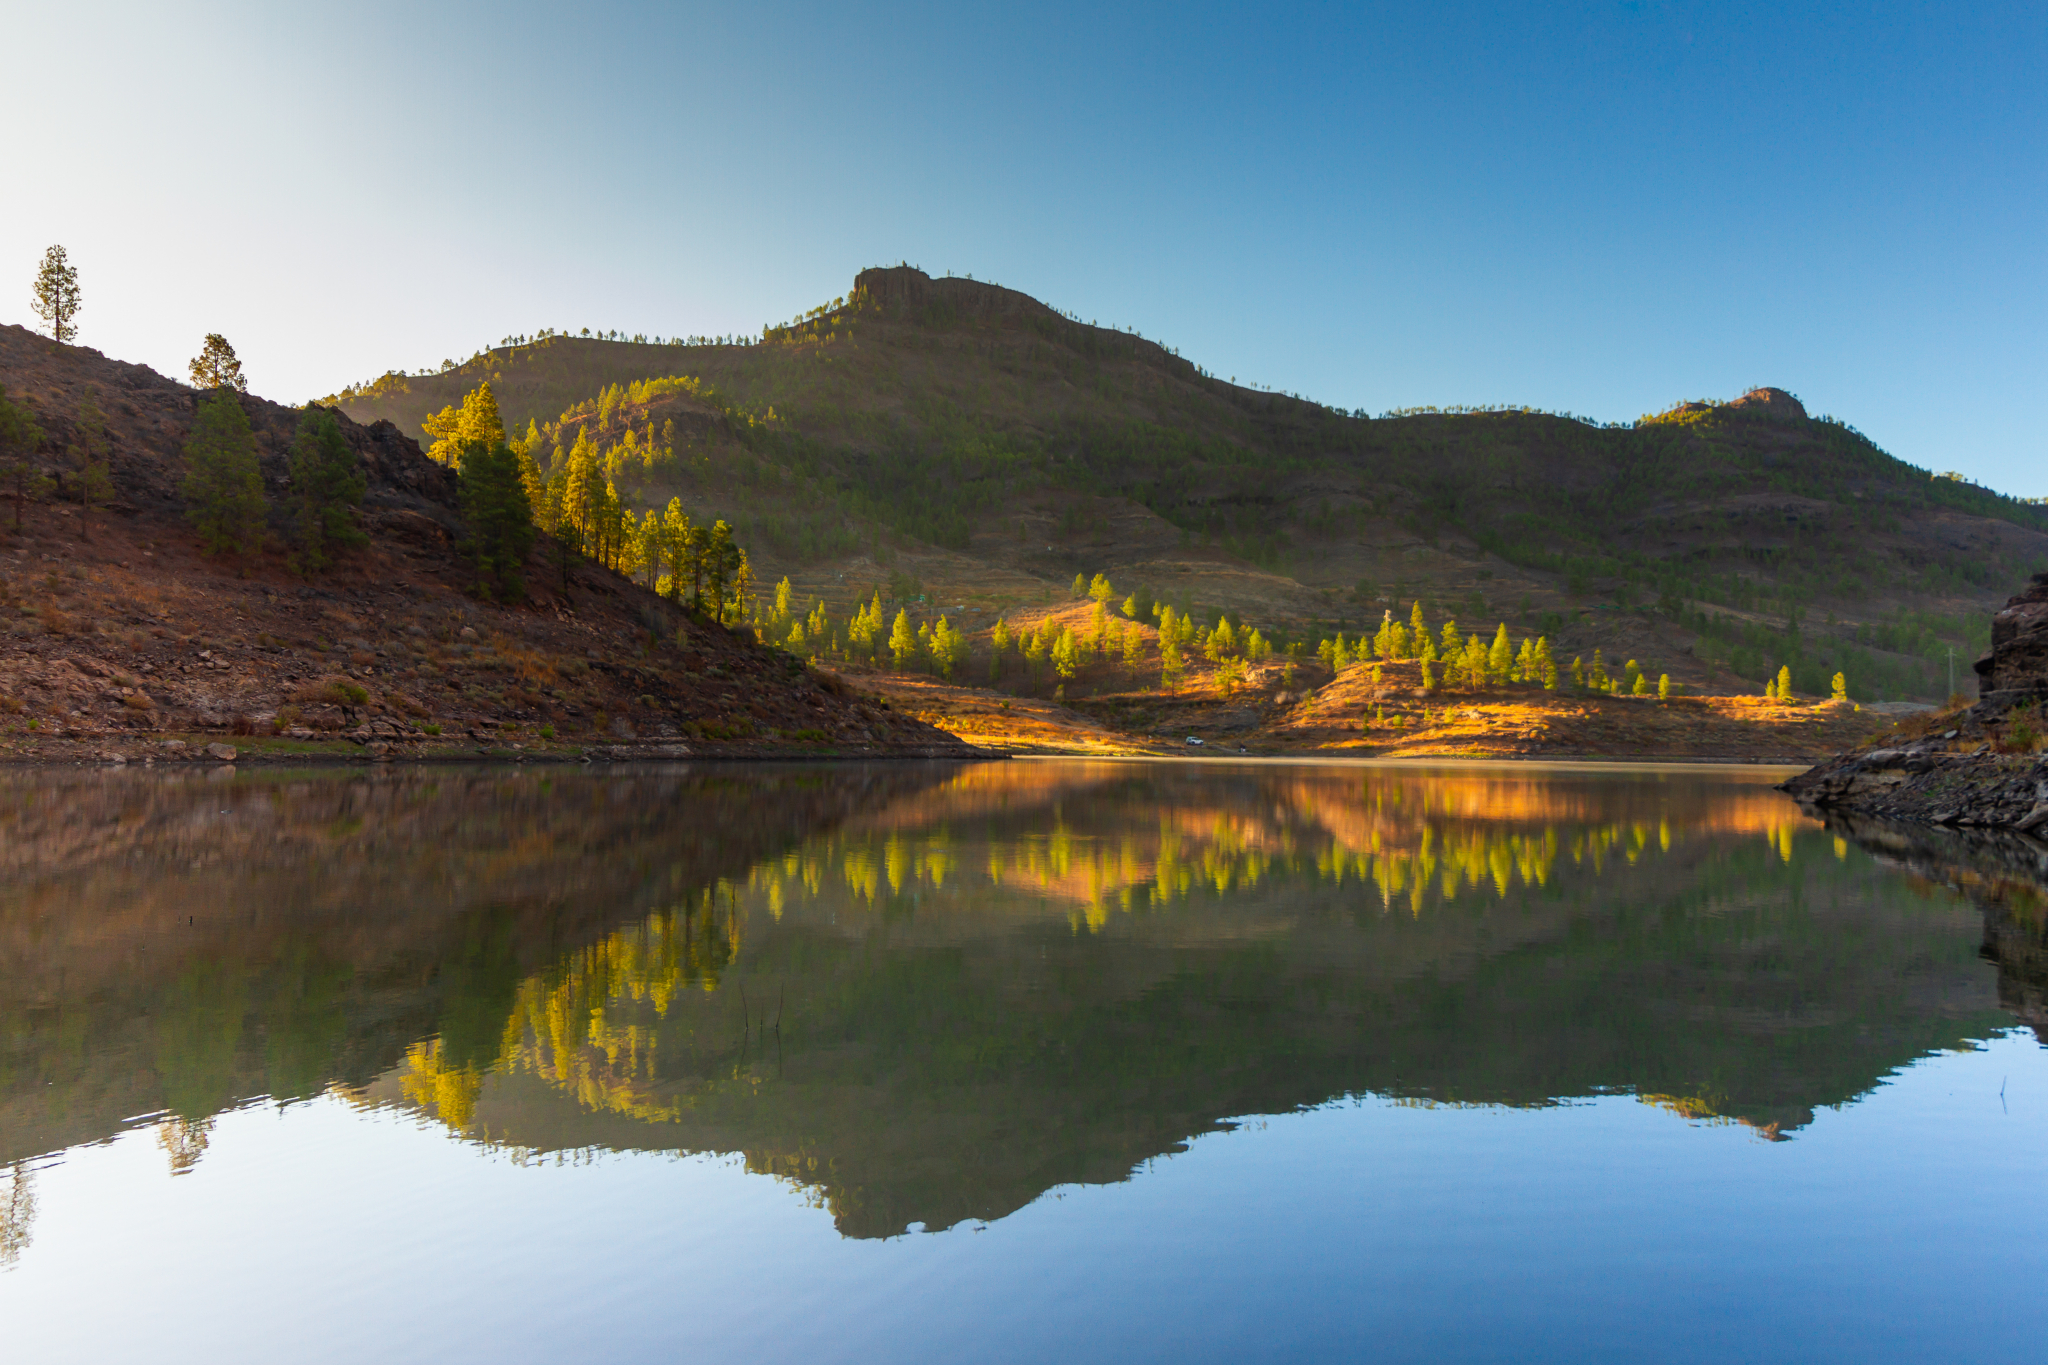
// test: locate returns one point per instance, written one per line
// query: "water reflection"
(927, 994)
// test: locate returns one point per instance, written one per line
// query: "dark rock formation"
(1982, 766)
(2018, 661)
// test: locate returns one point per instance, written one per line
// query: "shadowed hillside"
(956, 442)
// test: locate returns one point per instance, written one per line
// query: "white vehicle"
(1195, 742)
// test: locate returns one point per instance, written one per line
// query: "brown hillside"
(116, 632)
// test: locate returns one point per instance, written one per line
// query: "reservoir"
(1036, 1060)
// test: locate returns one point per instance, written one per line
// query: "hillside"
(963, 444)
(117, 632)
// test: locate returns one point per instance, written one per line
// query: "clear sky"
(1598, 207)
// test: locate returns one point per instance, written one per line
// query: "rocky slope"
(1980, 766)
(119, 639)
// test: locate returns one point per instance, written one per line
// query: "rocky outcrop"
(1775, 404)
(906, 291)
(2017, 663)
(1982, 766)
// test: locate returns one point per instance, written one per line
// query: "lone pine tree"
(216, 367)
(57, 299)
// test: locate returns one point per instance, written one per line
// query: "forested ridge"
(917, 416)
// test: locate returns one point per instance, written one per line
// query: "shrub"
(431, 728)
(546, 732)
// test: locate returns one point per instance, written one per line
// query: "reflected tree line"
(922, 995)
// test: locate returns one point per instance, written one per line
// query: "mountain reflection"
(925, 994)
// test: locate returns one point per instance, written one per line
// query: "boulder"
(224, 752)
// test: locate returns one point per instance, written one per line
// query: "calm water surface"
(1023, 1061)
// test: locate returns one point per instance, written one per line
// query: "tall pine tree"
(327, 486)
(223, 488)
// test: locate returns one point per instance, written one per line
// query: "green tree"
(902, 640)
(1080, 588)
(477, 420)
(223, 488)
(501, 530)
(1099, 589)
(1663, 687)
(57, 299)
(1500, 659)
(90, 479)
(20, 438)
(327, 487)
(216, 367)
(1066, 655)
(1134, 644)
(1785, 682)
(1418, 628)
(1546, 666)
(1839, 688)
(1172, 664)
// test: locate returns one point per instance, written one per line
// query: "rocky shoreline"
(1982, 766)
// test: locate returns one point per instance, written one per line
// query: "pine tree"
(1099, 589)
(1418, 628)
(477, 420)
(216, 366)
(1785, 683)
(1578, 672)
(1500, 660)
(222, 485)
(1256, 647)
(902, 640)
(1839, 688)
(89, 449)
(501, 531)
(1546, 665)
(20, 438)
(1134, 644)
(1080, 588)
(1663, 687)
(1641, 686)
(57, 299)
(1171, 664)
(1525, 661)
(327, 485)
(1066, 655)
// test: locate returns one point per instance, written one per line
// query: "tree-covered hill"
(968, 440)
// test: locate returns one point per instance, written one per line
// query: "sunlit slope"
(989, 446)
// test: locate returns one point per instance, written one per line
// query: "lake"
(1037, 1060)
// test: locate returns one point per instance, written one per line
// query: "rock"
(2018, 661)
(176, 746)
(380, 752)
(467, 633)
(224, 752)
(1775, 404)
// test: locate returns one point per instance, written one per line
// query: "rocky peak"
(905, 290)
(1775, 404)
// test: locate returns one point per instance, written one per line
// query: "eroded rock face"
(2018, 661)
(1772, 403)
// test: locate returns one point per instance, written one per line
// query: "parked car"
(1196, 742)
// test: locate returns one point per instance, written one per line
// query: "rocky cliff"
(1980, 766)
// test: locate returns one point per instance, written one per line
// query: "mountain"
(116, 630)
(966, 443)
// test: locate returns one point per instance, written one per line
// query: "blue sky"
(1600, 207)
